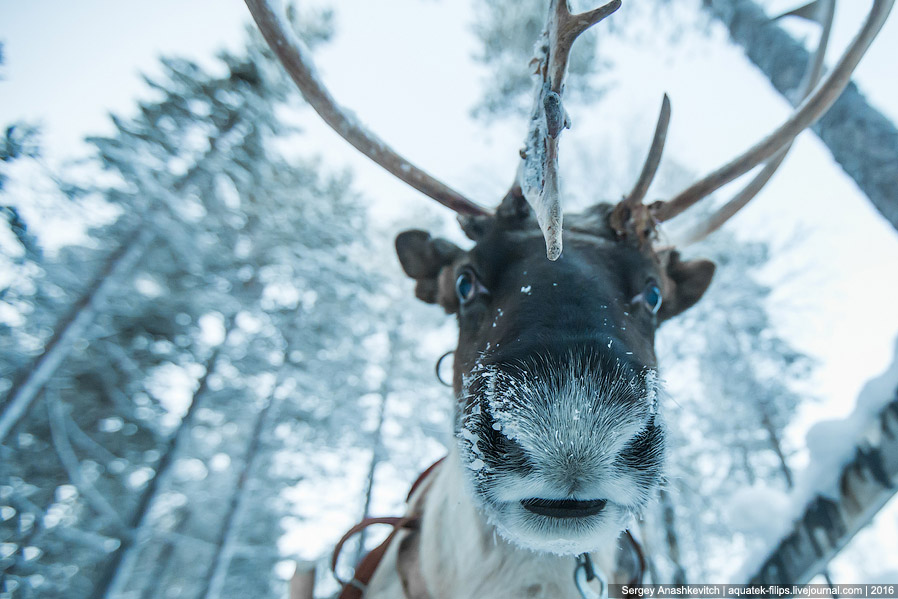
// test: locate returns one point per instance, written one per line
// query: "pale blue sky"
(67, 64)
(412, 80)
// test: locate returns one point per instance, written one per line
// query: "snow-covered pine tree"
(20, 259)
(409, 412)
(245, 289)
(728, 433)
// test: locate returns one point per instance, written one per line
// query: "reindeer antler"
(823, 12)
(807, 113)
(296, 58)
(631, 216)
(539, 172)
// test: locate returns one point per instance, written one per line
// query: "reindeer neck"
(463, 556)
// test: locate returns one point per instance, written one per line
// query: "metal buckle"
(584, 572)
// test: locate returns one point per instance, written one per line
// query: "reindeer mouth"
(564, 508)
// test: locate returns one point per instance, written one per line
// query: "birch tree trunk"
(862, 140)
(827, 524)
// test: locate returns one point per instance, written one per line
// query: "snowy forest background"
(211, 365)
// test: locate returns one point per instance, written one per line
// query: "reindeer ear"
(687, 283)
(424, 259)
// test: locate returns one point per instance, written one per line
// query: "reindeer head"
(555, 375)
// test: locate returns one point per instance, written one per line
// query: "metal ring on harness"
(439, 364)
(584, 572)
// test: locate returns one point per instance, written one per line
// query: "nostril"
(564, 508)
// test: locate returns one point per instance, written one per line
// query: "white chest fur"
(462, 556)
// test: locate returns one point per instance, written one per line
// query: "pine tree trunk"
(119, 264)
(214, 580)
(776, 444)
(377, 444)
(121, 563)
(673, 543)
(163, 558)
(862, 140)
(70, 328)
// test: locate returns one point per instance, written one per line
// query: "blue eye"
(651, 297)
(465, 287)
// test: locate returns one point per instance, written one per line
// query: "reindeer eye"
(651, 297)
(466, 287)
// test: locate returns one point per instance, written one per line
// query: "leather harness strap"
(364, 571)
(422, 477)
(355, 588)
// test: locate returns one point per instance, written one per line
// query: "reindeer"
(560, 440)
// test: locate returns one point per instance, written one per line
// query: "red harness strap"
(422, 477)
(355, 588)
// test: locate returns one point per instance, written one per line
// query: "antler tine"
(296, 59)
(804, 116)
(716, 220)
(650, 168)
(539, 171)
(630, 217)
(824, 12)
(568, 28)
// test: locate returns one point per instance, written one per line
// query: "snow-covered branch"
(844, 486)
